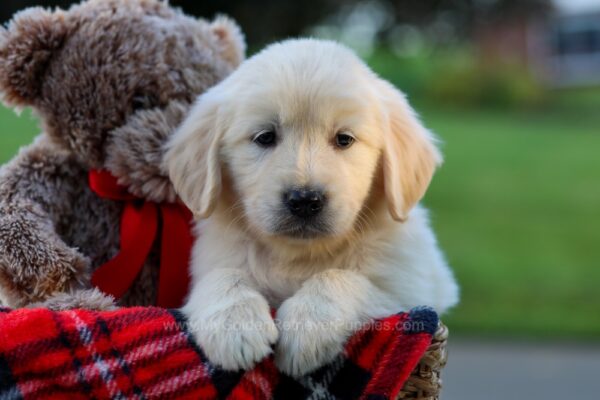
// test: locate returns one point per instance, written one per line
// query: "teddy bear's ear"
(26, 47)
(230, 39)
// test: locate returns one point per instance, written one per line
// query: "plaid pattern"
(147, 353)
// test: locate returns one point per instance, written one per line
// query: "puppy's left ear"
(410, 155)
(192, 156)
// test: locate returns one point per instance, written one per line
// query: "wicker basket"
(424, 382)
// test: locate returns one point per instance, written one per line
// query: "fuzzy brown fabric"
(110, 81)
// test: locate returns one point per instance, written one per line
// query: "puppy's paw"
(236, 337)
(306, 342)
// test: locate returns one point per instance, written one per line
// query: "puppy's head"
(302, 129)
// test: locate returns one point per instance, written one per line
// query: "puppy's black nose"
(304, 203)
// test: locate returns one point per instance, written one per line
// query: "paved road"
(505, 371)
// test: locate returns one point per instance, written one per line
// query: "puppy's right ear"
(192, 156)
(26, 47)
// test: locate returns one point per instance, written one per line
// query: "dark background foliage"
(267, 20)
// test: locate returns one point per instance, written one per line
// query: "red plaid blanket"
(147, 353)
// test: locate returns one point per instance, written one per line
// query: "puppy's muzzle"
(305, 202)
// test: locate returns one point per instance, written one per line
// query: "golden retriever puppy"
(305, 168)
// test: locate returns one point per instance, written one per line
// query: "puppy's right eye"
(265, 138)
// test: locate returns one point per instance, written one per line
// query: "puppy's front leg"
(230, 320)
(315, 323)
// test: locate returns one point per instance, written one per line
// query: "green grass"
(15, 131)
(517, 210)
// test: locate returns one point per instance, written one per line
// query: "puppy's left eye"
(343, 140)
(266, 138)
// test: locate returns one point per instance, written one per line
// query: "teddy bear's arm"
(37, 190)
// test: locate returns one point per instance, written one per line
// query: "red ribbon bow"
(139, 228)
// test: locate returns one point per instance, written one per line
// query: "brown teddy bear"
(110, 80)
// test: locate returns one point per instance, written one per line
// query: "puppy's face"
(301, 155)
(300, 129)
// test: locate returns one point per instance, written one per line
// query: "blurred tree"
(261, 20)
(267, 20)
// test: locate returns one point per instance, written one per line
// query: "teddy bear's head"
(111, 79)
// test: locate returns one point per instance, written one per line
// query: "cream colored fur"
(378, 255)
